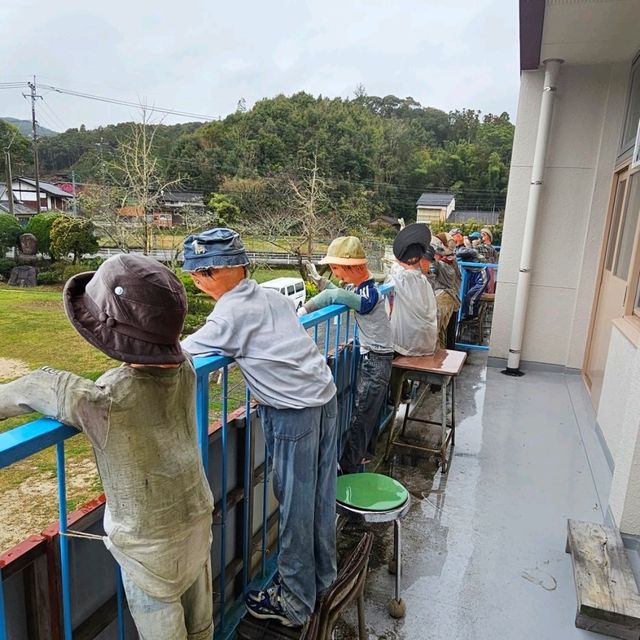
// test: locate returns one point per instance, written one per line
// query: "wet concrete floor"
(483, 546)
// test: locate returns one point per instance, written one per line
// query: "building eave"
(531, 24)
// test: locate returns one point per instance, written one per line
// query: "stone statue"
(28, 245)
(24, 275)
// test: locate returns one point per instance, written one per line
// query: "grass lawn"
(34, 331)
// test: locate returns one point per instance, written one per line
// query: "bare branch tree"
(300, 215)
(137, 169)
(102, 205)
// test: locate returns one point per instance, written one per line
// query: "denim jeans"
(187, 617)
(374, 374)
(302, 444)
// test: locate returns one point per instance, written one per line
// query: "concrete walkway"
(484, 546)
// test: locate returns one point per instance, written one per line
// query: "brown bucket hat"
(132, 308)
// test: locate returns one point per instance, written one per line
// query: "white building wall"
(580, 162)
(619, 418)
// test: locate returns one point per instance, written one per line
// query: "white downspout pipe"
(551, 71)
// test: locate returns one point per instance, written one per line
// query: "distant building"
(385, 222)
(51, 197)
(24, 199)
(173, 204)
(435, 207)
(170, 209)
(20, 211)
(486, 217)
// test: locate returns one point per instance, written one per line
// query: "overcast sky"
(202, 57)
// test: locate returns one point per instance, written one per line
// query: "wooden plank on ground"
(608, 598)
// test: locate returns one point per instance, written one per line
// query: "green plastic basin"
(370, 492)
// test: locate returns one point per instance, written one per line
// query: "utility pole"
(33, 95)
(73, 184)
(7, 161)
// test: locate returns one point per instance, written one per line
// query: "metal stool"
(375, 498)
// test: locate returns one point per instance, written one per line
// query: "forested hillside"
(371, 155)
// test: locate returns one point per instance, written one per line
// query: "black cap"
(413, 243)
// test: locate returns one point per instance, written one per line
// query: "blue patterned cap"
(219, 247)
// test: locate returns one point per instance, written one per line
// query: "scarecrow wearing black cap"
(414, 317)
(140, 419)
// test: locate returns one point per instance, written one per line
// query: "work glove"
(301, 312)
(314, 276)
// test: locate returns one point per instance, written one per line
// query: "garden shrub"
(47, 277)
(199, 306)
(71, 270)
(187, 281)
(311, 289)
(6, 264)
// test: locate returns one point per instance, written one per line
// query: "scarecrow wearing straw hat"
(348, 263)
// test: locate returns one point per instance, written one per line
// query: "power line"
(126, 103)
(52, 114)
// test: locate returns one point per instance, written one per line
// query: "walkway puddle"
(541, 578)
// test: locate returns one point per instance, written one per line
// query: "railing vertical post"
(345, 361)
(64, 542)
(265, 511)
(202, 417)
(327, 334)
(463, 290)
(248, 469)
(120, 601)
(353, 379)
(3, 622)
(223, 541)
(336, 348)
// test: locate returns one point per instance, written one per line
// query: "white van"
(291, 287)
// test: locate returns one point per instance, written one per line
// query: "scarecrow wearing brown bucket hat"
(348, 263)
(140, 419)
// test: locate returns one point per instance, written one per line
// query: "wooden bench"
(607, 593)
(441, 368)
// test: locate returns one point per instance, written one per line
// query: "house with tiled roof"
(434, 207)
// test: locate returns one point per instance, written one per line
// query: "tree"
(18, 145)
(10, 230)
(102, 204)
(73, 235)
(225, 211)
(305, 214)
(40, 226)
(137, 168)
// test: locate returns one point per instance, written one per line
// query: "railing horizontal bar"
(478, 347)
(208, 364)
(481, 265)
(27, 439)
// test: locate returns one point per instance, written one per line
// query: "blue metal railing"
(332, 328)
(466, 268)
(23, 441)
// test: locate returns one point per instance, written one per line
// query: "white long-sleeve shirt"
(414, 318)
